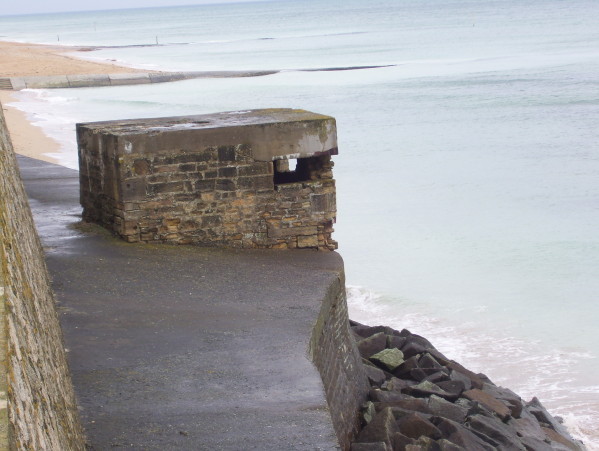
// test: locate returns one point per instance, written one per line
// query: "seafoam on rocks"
(426, 401)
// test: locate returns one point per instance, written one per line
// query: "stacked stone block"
(217, 180)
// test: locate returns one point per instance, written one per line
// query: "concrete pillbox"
(223, 179)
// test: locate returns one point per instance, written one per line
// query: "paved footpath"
(188, 348)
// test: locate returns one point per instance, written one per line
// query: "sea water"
(468, 167)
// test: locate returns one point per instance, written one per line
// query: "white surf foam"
(555, 375)
(41, 109)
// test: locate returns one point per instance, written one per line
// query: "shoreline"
(25, 60)
(409, 377)
(22, 60)
(27, 138)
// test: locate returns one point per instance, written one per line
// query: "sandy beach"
(21, 60)
(27, 139)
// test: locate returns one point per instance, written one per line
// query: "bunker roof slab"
(271, 133)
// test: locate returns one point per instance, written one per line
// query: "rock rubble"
(422, 401)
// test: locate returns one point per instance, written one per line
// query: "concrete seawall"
(96, 80)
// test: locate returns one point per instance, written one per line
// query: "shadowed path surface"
(183, 347)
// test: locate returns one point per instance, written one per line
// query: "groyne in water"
(96, 80)
(140, 78)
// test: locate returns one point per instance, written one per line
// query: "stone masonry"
(219, 180)
(37, 403)
(333, 351)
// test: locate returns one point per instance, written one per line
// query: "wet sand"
(27, 139)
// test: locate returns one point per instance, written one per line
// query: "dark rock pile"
(421, 400)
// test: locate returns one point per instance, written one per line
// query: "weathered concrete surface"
(41, 82)
(134, 78)
(271, 134)
(185, 347)
(82, 81)
(130, 79)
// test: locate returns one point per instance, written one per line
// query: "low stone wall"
(42, 413)
(216, 180)
(334, 352)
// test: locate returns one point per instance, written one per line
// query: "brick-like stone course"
(187, 191)
(42, 414)
(334, 352)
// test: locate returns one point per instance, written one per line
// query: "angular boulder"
(461, 436)
(389, 359)
(426, 388)
(489, 402)
(375, 375)
(496, 430)
(380, 429)
(414, 426)
(511, 399)
(377, 446)
(373, 344)
(407, 366)
(442, 408)
(474, 378)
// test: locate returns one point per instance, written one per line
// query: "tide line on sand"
(27, 139)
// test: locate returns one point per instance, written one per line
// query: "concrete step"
(5, 83)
